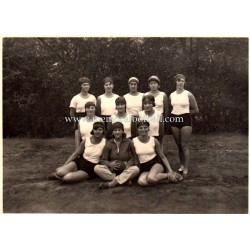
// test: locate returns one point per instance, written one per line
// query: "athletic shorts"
(179, 123)
(86, 166)
(146, 166)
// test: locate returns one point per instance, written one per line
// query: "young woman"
(78, 169)
(154, 117)
(85, 125)
(161, 99)
(133, 98)
(117, 163)
(105, 106)
(123, 117)
(154, 165)
(183, 104)
(77, 104)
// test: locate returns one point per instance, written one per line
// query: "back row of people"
(153, 106)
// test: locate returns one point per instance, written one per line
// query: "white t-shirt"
(159, 101)
(134, 103)
(93, 152)
(145, 151)
(108, 104)
(86, 125)
(154, 121)
(78, 102)
(180, 103)
(126, 121)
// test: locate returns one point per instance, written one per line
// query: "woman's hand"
(117, 165)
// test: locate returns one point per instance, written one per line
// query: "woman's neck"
(154, 92)
(179, 91)
(84, 93)
(150, 112)
(91, 117)
(143, 138)
(134, 92)
(121, 113)
(118, 139)
(97, 139)
(109, 93)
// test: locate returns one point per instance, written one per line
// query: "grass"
(217, 181)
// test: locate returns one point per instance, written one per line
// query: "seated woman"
(117, 163)
(154, 165)
(85, 125)
(79, 169)
(123, 117)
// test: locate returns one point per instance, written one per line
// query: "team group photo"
(125, 125)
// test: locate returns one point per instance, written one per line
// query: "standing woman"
(85, 125)
(133, 98)
(105, 106)
(77, 104)
(77, 168)
(161, 99)
(123, 117)
(154, 117)
(154, 165)
(183, 105)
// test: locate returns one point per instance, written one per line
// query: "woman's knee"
(60, 172)
(98, 168)
(142, 181)
(68, 178)
(135, 170)
(152, 179)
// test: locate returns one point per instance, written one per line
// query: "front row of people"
(119, 160)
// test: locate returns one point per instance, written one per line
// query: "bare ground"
(217, 181)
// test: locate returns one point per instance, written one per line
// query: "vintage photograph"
(125, 125)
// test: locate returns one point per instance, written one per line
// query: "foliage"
(40, 77)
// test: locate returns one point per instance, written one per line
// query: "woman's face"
(98, 132)
(153, 85)
(180, 82)
(108, 87)
(85, 87)
(90, 111)
(120, 107)
(148, 105)
(133, 86)
(117, 133)
(143, 130)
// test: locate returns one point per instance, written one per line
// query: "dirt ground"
(217, 181)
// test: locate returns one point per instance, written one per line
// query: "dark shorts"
(180, 120)
(78, 115)
(86, 166)
(146, 166)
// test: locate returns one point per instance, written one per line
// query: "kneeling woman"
(154, 165)
(79, 169)
(117, 162)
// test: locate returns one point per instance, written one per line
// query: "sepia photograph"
(125, 125)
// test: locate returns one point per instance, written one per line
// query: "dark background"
(40, 76)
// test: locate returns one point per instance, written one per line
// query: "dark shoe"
(54, 176)
(104, 185)
(128, 183)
